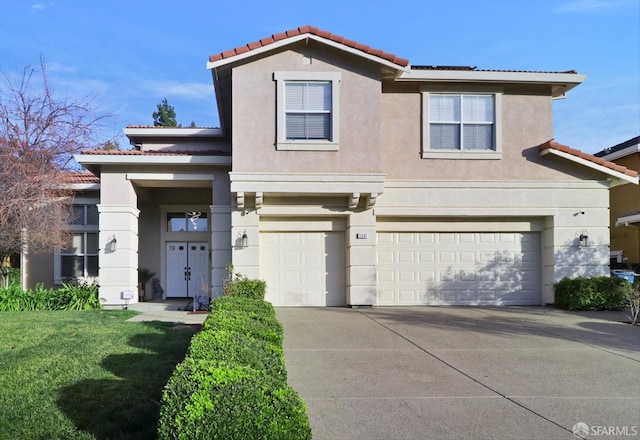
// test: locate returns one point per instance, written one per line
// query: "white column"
(118, 262)
(245, 256)
(361, 259)
(220, 249)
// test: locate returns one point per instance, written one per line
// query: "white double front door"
(187, 269)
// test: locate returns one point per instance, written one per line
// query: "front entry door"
(187, 268)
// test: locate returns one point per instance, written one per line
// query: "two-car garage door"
(474, 268)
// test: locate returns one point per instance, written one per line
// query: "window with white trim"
(461, 125)
(307, 106)
(80, 259)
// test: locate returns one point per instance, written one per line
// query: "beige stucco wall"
(254, 115)
(526, 123)
(625, 199)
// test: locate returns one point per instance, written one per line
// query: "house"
(345, 176)
(624, 207)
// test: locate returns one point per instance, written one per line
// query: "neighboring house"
(343, 175)
(625, 207)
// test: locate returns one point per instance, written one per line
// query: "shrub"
(209, 400)
(252, 324)
(247, 288)
(70, 297)
(239, 303)
(633, 301)
(236, 284)
(239, 349)
(596, 293)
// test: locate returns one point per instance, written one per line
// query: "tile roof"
(475, 69)
(553, 145)
(162, 127)
(156, 153)
(313, 31)
(80, 177)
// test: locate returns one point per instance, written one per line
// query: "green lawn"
(84, 375)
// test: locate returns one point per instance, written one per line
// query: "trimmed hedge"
(233, 381)
(238, 349)
(239, 303)
(247, 288)
(250, 323)
(596, 293)
(209, 400)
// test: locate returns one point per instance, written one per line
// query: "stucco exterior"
(308, 215)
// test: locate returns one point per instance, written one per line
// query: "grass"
(84, 374)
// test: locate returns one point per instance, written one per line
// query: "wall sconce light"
(112, 244)
(244, 240)
(584, 239)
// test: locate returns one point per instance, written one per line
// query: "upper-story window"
(85, 215)
(307, 107)
(462, 125)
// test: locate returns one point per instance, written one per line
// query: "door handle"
(189, 274)
(185, 273)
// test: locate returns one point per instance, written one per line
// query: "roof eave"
(622, 153)
(290, 40)
(88, 160)
(617, 178)
(562, 82)
(172, 132)
(627, 219)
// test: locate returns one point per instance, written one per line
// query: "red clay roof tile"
(156, 153)
(553, 145)
(313, 31)
(80, 177)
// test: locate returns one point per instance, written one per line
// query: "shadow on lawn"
(127, 407)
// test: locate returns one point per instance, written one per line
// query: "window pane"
(76, 246)
(444, 136)
(478, 108)
(294, 96)
(478, 137)
(72, 267)
(318, 126)
(78, 215)
(92, 215)
(318, 97)
(197, 222)
(92, 243)
(92, 266)
(296, 126)
(176, 222)
(444, 108)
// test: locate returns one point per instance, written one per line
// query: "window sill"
(470, 154)
(307, 146)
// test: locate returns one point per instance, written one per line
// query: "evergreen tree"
(165, 116)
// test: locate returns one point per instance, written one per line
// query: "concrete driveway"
(463, 373)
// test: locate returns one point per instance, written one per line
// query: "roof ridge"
(313, 30)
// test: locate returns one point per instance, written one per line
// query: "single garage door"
(303, 268)
(464, 268)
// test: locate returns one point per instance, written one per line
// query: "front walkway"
(463, 373)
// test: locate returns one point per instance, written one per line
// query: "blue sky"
(130, 54)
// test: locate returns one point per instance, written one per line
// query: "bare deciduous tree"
(39, 133)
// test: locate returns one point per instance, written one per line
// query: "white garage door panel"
(458, 268)
(303, 268)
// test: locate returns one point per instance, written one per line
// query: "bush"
(239, 303)
(238, 349)
(69, 297)
(247, 288)
(596, 293)
(256, 325)
(209, 400)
